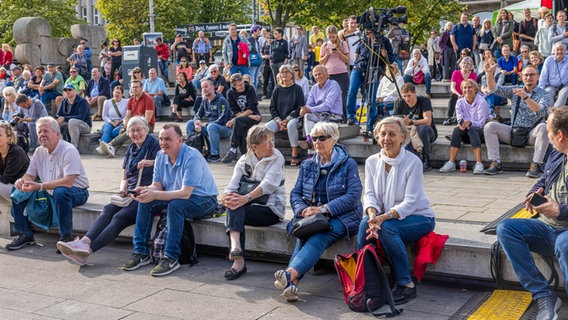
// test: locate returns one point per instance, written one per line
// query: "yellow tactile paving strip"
(503, 305)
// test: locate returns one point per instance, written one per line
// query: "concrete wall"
(36, 46)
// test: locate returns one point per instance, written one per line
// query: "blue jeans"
(159, 105)
(254, 72)
(196, 83)
(48, 96)
(427, 81)
(519, 237)
(497, 53)
(195, 207)
(393, 235)
(307, 253)
(355, 82)
(65, 200)
(511, 78)
(110, 132)
(164, 67)
(373, 113)
(239, 69)
(214, 132)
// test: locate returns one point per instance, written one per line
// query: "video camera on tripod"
(379, 21)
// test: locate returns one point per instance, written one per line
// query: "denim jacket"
(552, 171)
(343, 190)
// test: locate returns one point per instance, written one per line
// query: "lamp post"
(151, 15)
(253, 12)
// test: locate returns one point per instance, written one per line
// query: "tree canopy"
(423, 15)
(128, 19)
(61, 15)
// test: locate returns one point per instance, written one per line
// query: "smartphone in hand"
(136, 194)
(537, 200)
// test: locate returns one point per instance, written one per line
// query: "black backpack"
(198, 141)
(23, 135)
(188, 247)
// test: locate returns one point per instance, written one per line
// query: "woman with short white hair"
(10, 108)
(418, 72)
(396, 208)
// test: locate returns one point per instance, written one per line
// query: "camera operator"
(358, 74)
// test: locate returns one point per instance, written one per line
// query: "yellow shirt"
(314, 38)
(317, 52)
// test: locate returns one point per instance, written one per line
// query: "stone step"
(465, 256)
(512, 158)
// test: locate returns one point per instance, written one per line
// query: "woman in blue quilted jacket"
(328, 184)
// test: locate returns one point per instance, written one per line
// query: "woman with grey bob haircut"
(262, 206)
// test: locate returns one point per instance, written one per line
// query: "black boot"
(426, 162)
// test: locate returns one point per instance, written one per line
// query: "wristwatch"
(324, 210)
(249, 197)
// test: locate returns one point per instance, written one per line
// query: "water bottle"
(463, 166)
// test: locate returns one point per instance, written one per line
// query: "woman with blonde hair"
(13, 160)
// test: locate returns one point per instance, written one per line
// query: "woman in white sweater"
(264, 205)
(396, 207)
(416, 65)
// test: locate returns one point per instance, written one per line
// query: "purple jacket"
(326, 99)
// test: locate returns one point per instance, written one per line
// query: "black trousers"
(250, 215)
(241, 125)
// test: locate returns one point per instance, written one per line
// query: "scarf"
(138, 154)
(388, 182)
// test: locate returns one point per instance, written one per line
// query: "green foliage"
(424, 15)
(61, 15)
(128, 19)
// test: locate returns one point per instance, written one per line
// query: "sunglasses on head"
(320, 138)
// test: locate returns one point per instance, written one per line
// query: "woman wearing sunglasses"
(327, 184)
(397, 210)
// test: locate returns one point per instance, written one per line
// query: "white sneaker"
(107, 148)
(100, 151)
(448, 167)
(478, 168)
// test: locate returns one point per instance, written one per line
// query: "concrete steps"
(466, 257)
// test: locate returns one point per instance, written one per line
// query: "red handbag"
(418, 77)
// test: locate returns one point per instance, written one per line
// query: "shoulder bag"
(520, 135)
(304, 228)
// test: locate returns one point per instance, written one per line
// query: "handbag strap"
(515, 116)
(116, 108)
(140, 172)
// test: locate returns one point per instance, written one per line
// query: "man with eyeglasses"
(139, 104)
(73, 116)
(528, 109)
(554, 75)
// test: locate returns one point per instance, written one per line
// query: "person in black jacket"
(73, 116)
(184, 96)
(287, 100)
(545, 235)
(14, 161)
(98, 91)
(243, 103)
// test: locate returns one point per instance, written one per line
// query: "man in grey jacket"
(231, 49)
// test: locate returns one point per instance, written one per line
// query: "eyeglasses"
(236, 79)
(320, 138)
(530, 74)
(183, 61)
(214, 71)
(524, 51)
(139, 130)
(73, 71)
